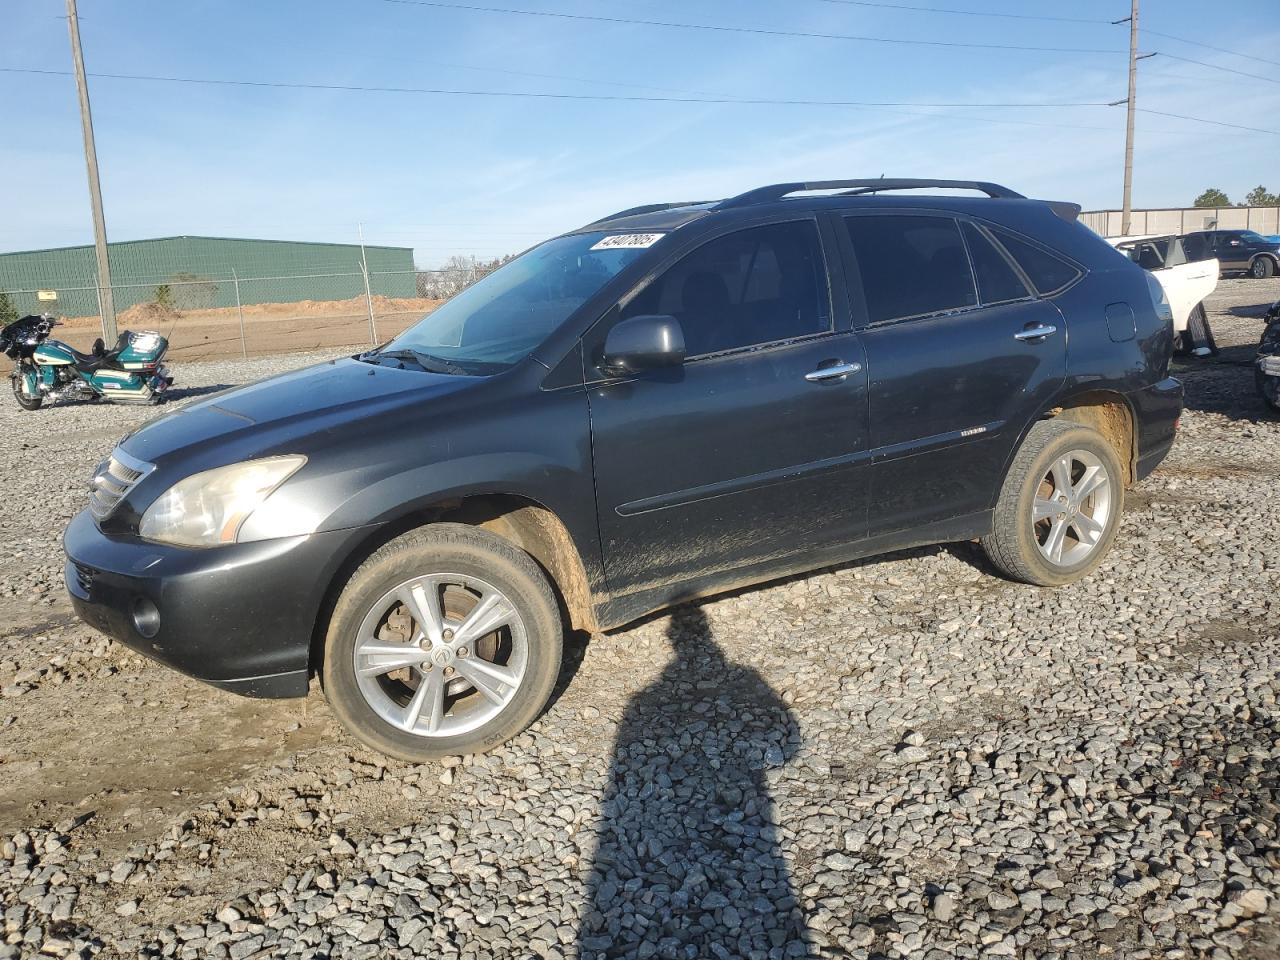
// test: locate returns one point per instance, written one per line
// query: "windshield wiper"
(428, 362)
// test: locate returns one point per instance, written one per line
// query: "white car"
(1186, 283)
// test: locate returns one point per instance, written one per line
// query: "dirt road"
(269, 329)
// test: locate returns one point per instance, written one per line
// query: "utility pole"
(1131, 106)
(95, 188)
(368, 294)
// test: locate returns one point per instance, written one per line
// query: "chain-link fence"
(210, 317)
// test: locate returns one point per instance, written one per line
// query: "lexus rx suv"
(675, 400)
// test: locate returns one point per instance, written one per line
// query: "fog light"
(146, 617)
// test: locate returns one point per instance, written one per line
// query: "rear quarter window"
(1047, 272)
(997, 280)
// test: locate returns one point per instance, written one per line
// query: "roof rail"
(646, 208)
(854, 187)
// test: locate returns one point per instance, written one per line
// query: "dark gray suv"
(674, 400)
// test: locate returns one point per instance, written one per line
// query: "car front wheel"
(1059, 507)
(1262, 268)
(445, 641)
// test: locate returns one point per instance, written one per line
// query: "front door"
(747, 453)
(961, 354)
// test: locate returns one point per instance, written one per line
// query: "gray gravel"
(907, 757)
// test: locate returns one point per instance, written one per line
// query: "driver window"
(748, 288)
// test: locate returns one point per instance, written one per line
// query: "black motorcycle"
(1266, 366)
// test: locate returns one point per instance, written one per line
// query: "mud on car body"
(674, 400)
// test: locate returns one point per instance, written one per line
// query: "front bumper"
(1157, 409)
(240, 617)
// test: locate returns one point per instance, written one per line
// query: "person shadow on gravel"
(687, 862)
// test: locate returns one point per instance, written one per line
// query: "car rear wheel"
(1059, 507)
(1198, 339)
(1268, 359)
(445, 641)
(1262, 268)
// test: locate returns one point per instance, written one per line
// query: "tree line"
(456, 275)
(1257, 197)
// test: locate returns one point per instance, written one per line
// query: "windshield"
(1251, 236)
(502, 318)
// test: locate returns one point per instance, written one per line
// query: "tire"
(25, 402)
(1262, 268)
(373, 630)
(1199, 333)
(1014, 544)
(1269, 390)
(1268, 387)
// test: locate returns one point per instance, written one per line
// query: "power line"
(1216, 123)
(727, 28)
(1210, 46)
(1166, 75)
(444, 91)
(887, 106)
(1215, 66)
(551, 76)
(962, 13)
(742, 101)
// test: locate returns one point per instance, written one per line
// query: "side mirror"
(643, 343)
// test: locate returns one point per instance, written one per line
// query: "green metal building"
(200, 272)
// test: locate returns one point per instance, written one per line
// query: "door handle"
(837, 372)
(1038, 332)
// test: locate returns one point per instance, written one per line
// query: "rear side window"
(744, 289)
(911, 266)
(998, 282)
(1048, 273)
(1197, 246)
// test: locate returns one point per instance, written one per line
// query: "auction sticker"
(628, 241)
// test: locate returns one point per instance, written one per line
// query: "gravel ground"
(903, 757)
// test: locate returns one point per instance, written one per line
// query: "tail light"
(1159, 301)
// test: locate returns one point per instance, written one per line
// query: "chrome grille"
(112, 481)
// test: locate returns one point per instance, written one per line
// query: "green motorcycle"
(133, 371)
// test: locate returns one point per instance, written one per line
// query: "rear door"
(1186, 281)
(1180, 268)
(961, 353)
(748, 453)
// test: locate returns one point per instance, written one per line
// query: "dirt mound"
(159, 315)
(145, 314)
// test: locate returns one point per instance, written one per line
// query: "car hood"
(290, 406)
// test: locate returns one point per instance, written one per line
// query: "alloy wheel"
(1072, 507)
(441, 655)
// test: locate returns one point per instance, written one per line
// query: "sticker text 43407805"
(628, 241)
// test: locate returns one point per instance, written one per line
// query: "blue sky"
(490, 175)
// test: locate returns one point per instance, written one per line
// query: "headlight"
(207, 509)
